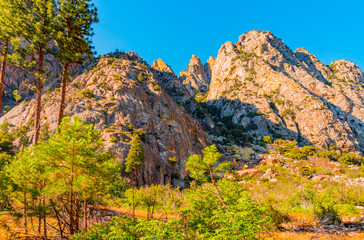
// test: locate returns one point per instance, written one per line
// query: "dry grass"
(313, 236)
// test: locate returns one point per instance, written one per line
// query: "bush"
(267, 139)
(284, 145)
(351, 158)
(142, 77)
(327, 215)
(306, 171)
(88, 93)
(157, 88)
(129, 228)
(203, 217)
(332, 155)
(113, 139)
(200, 97)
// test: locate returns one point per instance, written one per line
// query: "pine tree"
(74, 20)
(37, 25)
(62, 172)
(8, 34)
(79, 167)
(200, 167)
(27, 172)
(135, 156)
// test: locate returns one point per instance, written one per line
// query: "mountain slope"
(117, 96)
(270, 90)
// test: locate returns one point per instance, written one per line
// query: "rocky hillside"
(122, 94)
(23, 80)
(261, 85)
(254, 88)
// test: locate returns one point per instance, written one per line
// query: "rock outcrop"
(197, 76)
(117, 96)
(170, 81)
(270, 90)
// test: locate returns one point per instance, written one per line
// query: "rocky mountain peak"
(304, 55)
(195, 77)
(266, 88)
(161, 66)
(347, 71)
(208, 67)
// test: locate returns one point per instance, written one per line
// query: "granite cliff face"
(121, 94)
(170, 81)
(254, 88)
(268, 89)
(197, 76)
(23, 80)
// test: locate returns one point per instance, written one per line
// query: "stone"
(269, 174)
(250, 172)
(318, 178)
(272, 161)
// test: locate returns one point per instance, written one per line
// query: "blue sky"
(174, 30)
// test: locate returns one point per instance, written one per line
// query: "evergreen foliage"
(199, 167)
(62, 172)
(201, 218)
(135, 156)
(74, 20)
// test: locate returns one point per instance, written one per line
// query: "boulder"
(250, 172)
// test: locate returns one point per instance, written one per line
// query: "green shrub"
(332, 155)
(252, 71)
(327, 215)
(142, 77)
(306, 171)
(284, 146)
(89, 106)
(351, 158)
(267, 139)
(88, 93)
(200, 97)
(116, 77)
(157, 88)
(113, 139)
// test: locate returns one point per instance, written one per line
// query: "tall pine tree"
(8, 34)
(135, 156)
(74, 20)
(38, 27)
(80, 169)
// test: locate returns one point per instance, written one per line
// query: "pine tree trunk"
(39, 220)
(77, 212)
(45, 221)
(58, 219)
(217, 190)
(25, 212)
(133, 203)
(71, 205)
(3, 70)
(85, 213)
(38, 107)
(63, 93)
(136, 177)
